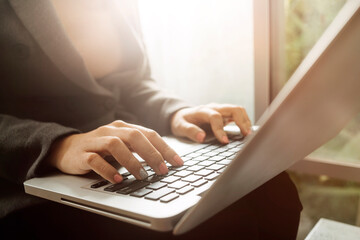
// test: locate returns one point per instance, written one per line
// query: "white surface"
(331, 230)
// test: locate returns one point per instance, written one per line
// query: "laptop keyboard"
(200, 167)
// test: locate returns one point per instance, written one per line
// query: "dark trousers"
(272, 211)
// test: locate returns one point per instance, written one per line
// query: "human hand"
(81, 153)
(189, 122)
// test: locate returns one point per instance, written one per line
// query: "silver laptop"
(316, 103)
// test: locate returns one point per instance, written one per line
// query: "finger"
(146, 150)
(135, 140)
(242, 120)
(114, 146)
(102, 167)
(193, 132)
(217, 126)
(216, 122)
(165, 150)
(239, 115)
(248, 122)
(227, 120)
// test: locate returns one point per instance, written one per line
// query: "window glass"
(305, 21)
(202, 50)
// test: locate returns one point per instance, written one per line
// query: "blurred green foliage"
(305, 21)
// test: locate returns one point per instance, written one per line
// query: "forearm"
(151, 105)
(24, 144)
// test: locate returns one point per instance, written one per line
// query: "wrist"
(57, 151)
(174, 119)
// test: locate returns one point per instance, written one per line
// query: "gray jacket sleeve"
(141, 95)
(151, 105)
(24, 144)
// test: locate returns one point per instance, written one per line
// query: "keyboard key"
(195, 168)
(226, 154)
(234, 144)
(201, 158)
(212, 147)
(235, 149)
(183, 173)
(178, 185)
(154, 178)
(215, 167)
(125, 174)
(193, 154)
(141, 192)
(156, 185)
(118, 186)
(170, 172)
(232, 157)
(186, 158)
(203, 150)
(224, 162)
(169, 198)
(216, 158)
(185, 189)
(136, 185)
(170, 179)
(100, 184)
(212, 176)
(147, 167)
(221, 170)
(220, 150)
(156, 195)
(180, 168)
(228, 147)
(190, 163)
(204, 172)
(210, 154)
(199, 183)
(191, 178)
(205, 163)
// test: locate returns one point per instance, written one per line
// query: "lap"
(272, 211)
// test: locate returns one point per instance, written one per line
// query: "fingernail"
(163, 169)
(118, 178)
(249, 132)
(143, 174)
(178, 160)
(200, 137)
(225, 139)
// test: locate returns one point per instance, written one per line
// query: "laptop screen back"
(316, 103)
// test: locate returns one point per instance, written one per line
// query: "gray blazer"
(46, 93)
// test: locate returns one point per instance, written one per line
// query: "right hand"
(81, 153)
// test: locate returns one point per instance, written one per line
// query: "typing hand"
(81, 153)
(189, 122)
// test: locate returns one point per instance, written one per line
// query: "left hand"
(189, 122)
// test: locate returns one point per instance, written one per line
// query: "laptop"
(319, 99)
